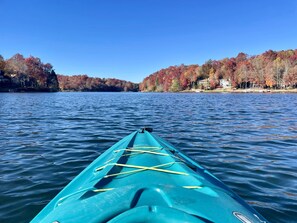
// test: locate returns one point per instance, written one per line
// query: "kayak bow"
(143, 178)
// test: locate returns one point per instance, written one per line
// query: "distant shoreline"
(239, 91)
(257, 90)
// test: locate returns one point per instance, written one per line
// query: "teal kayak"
(143, 178)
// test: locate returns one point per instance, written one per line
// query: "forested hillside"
(20, 74)
(85, 83)
(26, 74)
(271, 69)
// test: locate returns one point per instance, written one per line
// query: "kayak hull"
(143, 178)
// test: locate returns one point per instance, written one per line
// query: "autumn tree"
(2, 65)
(213, 82)
(175, 87)
(258, 70)
(205, 69)
(16, 65)
(290, 78)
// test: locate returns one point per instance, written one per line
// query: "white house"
(225, 83)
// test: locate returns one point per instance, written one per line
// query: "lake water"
(249, 141)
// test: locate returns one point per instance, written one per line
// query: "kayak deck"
(143, 178)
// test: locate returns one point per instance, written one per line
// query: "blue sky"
(130, 39)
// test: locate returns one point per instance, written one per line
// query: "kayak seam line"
(103, 190)
(109, 189)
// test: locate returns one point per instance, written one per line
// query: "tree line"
(27, 74)
(31, 74)
(269, 70)
(85, 83)
(272, 69)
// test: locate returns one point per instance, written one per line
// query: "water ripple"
(248, 141)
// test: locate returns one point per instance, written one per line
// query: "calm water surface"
(249, 141)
